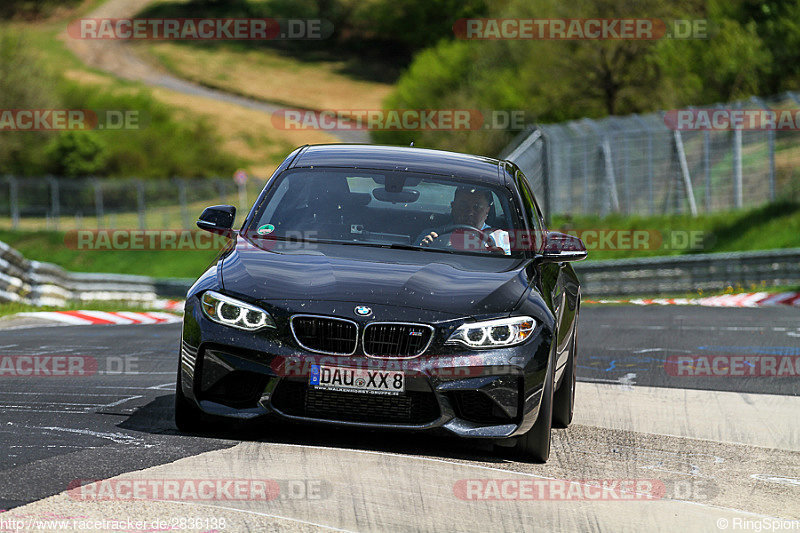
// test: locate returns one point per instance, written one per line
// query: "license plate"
(357, 380)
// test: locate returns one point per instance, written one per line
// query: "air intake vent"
(385, 339)
(334, 336)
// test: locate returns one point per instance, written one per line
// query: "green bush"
(162, 146)
(77, 153)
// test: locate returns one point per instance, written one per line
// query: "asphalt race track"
(704, 448)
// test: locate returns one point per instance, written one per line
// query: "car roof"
(381, 157)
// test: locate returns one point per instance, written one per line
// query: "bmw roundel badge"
(363, 310)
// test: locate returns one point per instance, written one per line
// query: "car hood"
(460, 285)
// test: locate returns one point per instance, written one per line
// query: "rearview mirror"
(406, 196)
(218, 219)
(560, 247)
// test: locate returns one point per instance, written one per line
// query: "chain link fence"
(68, 204)
(659, 163)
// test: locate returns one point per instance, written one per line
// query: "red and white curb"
(748, 299)
(84, 318)
(167, 305)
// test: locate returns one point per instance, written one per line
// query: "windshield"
(385, 208)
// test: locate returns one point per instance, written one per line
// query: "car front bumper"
(469, 393)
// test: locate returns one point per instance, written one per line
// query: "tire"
(188, 418)
(535, 444)
(564, 397)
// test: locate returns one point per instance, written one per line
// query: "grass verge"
(769, 227)
(270, 75)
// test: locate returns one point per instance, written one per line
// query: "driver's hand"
(429, 238)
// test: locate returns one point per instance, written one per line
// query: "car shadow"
(156, 417)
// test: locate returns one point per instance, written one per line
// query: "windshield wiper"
(397, 246)
(387, 245)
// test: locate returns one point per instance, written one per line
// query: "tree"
(30, 9)
(24, 84)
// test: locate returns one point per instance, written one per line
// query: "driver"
(469, 207)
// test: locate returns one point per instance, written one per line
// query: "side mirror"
(218, 219)
(560, 247)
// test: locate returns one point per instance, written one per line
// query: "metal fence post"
(140, 205)
(98, 202)
(649, 156)
(13, 201)
(182, 199)
(771, 142)
(651, 197)
(707, 167)
(687, 179)
(737, 168)
(611, 180)
(547, 171)
(586, 179)
(770, 147)
(554, 172)
(55, 210)
(625, 177)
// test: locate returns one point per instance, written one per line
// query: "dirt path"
(117, 58)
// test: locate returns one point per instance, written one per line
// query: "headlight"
(231, 312)
(494, 333)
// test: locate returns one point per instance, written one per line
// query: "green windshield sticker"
(266, 229)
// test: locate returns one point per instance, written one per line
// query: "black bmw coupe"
(387, 287)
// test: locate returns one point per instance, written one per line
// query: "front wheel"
(535, 444)
(188, 418)
(564, 397)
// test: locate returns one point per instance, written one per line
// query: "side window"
(531, 211)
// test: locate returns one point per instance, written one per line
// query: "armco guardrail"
(33, 282)
(688, 273)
